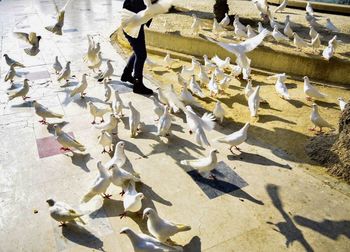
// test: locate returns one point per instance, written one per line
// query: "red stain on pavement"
(48, 146)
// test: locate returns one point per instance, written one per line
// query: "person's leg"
(129, 68)
(139, 47)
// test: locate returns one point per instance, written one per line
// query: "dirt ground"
(181, 22)
(282, 126)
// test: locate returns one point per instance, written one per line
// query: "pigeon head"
(39, 37)
(51, 202)
(214, 151)
(340, 99)
(121, 145)
(125, 230)
(148, 212)
(305, 78)
(5, 55)
(68, 63)
(140, 196)
(314, 106)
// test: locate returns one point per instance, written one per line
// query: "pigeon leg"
(312, 129)
(232, 150)
(62, 224)
(102, 120)
(93, 122)
(190, 131)
(237, 148)
(25, 98)
(122, 215)
(106, 196)
(122, 193)
(43, 121)
(104, 150)
(308, 98)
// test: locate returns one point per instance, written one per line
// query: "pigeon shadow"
(297, 103)
(287, 228)
(151, 194)
(257, 159)
(109, 208)
(80, 160)
(80, 235)
(271, 118)
(194, 245)
(328, 228)
(326, 104)
(121, 87)
(51, 129)
(25, 104)
(266, 105)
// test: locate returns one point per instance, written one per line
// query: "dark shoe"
(127, 77)
(139, 88)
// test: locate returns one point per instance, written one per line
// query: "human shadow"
(331, 229)
(80, 159)
(194, 245)
(272, 118)
(287, 227)
(80, 235)
(257, 159)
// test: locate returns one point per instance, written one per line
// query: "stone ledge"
(318, 6)
(336, 71)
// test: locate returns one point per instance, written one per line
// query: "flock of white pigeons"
(114, 172)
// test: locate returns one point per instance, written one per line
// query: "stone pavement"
(260, 202)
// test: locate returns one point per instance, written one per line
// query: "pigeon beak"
(143, 216)
(122, 232)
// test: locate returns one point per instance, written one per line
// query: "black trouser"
(137, 60)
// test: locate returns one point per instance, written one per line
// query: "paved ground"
(261, 202)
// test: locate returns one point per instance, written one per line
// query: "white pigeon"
(66, 140)
(187, 72)
(310, 90)
(254, 102)
(312, 32)
(317, 120)
(328, 52)
(334, 42)
(132, 200)
(242, 48)
(100, 184)
(11, 74)
(44, 112)
(169, 62)
(208, 64)
(196, 25)
(239, 32)
(213, 86)
(315, 42)
(93, 49)
(273, 23)
(225, 21)
(80, 89)
(263, 8)
(121, 178)
(248, 90)
(111, 126)
(65, 74)
(217, 28)
(330, 26)
(150, 63)
(57, 27)
(260, 27)
(57, 65)
(342, 103)
(250, 32)
(160, 228)
(108, 91)
(309, 9)
(202, 76)
(224, 83)
(97, 112)
(312, 20)
(146, 243)
(198, 125)
(236, 138)
(20, 92)
(161, 96)
(236, 70)
(180, 79)
(221, 64)
(219, 74)
(13, 62)
(117, 104)
(107, 73)
(195, 88)
(119, 158)
(219, 111)
(134, 120)
(105, 139)
(173, 100)
(299, 42)
(237, 23)
(31, 39)
(280, 86)
(158, 108)
(203, 165)
(97, 64)
(164, 123)
(278, 36)
(282, 6)
(187, 98)
(288, 31)
(131, 22)
(63, 213)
